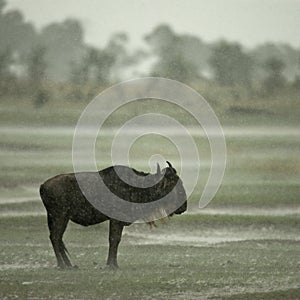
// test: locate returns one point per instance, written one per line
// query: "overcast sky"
(249, 22)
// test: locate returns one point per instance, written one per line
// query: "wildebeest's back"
(62, 195)
(134, 186)
(116, 180)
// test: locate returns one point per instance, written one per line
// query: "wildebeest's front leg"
(115, 233)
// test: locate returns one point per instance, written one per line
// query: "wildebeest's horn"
(171, 167)
(169, 164)
(158, 169)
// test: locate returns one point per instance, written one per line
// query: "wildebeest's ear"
(158, 169)
(171, 167)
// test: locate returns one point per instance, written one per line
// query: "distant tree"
(117, 46)
(65, 46)
(2, 5)
(15, 33)
(286, 53)
(36, 64)
(161, 39)
(101, 63)
(5, 62)
(79, 73)
(197, 53)
(296, 81)
(275, 80)
(171, 52)
(230, 64)
(16, 40)
(7, 79)
(95, 66)
(175, 66)
(37, 73)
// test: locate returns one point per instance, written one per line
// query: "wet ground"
(244, 245)
(189, 257)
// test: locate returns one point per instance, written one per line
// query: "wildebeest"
(64, 201)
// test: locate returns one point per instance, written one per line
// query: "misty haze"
(242, 57)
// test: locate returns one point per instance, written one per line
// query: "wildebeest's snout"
(181, 209)
(181, 198)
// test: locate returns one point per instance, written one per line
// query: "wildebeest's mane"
(139, 194)
(140, 173)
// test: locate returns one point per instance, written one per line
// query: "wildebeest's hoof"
(75, 267)
(70, 268)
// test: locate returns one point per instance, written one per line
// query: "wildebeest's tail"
(42, 191)
(46, 195)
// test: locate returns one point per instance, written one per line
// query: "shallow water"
(4, 267)
(10, 200)
(5, 202)
(229, 131)
(206, 237)
(247, 211)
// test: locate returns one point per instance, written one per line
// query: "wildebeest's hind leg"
(57, 226)
(115, 233)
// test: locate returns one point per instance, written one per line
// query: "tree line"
(58, 52)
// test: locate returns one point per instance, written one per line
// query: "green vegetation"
(150, 268)
(215, 256)
(62, 107)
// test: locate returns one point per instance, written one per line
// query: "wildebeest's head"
(172, 187)
(162, 194)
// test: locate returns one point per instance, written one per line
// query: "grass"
(63, 109)
(156, 271)
(200, 256)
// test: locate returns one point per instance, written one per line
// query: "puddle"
(229, 131)
(16, 214)
(179, 239)
(246, 211)
(196, 211)
(13, 200)
(5, 267)
(204, 238)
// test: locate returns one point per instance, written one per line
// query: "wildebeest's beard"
(164, 189)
